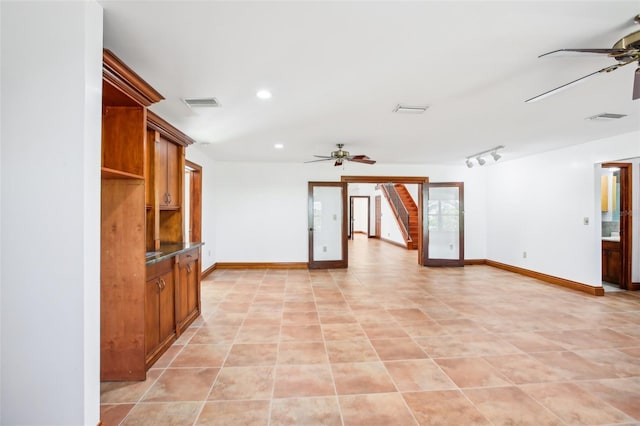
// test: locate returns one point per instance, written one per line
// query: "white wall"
(537, 204)
(195, 154)
(261, 208)
(50, 214)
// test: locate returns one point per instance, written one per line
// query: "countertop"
(168, 250)
(617, 239)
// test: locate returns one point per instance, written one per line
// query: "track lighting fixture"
(479, 156)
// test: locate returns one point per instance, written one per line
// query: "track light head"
(481, 161)
(496, 156)
(469, 163)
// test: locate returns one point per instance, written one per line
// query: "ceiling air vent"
(202, 103)
(606, 116)
(410, 109)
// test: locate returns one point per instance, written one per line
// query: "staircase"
(406, 212)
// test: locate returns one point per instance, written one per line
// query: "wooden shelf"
(108, 173)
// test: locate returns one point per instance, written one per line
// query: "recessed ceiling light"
(278, 146)
(263, 94)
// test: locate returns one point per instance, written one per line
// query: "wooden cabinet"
(188, 307)
(140, 302)
(125, 97)
(611, 262)
(159, 309)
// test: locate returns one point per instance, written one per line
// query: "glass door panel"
(327, 225)
(443, 224)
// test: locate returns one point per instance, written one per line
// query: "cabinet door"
(168, 174)
(152, 315)
(173, 175)
(189, 288)
(161, 171)
(166, 307)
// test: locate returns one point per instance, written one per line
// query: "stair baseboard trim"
(262, 265)
(395, 243)
(573, 285)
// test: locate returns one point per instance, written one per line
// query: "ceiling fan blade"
(612, 52)
(315, 161)
(323, 156)
(636, 84)
(365, 160)
(610, 68)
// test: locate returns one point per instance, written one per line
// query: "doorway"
(615, 201)
(359, 215)
(192, 202)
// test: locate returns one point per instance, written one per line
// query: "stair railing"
(400, 210)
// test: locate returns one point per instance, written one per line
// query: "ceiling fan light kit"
(479, 156)
(340, 156)
(625, 51)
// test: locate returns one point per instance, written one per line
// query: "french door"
(443, 224)
(327, 225)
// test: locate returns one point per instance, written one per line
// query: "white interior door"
(327, 225)
(443, 224)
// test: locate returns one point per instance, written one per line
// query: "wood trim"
(195, 201)
(475, 262)
(595, 291)
(169, 132)
(261, 265)
(385, 179)
(395, 243)
(634, 287)
(124, 78)
(208, 271)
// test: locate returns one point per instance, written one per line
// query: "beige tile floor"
(387, 342)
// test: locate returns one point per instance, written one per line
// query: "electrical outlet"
(324, 249)
(524, 254)
(585, 220)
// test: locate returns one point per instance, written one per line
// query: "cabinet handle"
(188, 267)
(168, 198)
(159, 285)
(164, 284)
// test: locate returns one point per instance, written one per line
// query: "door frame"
(195, 202)
(425, 232)
(626, 219)
(351, 200)
(328, 264)
(407, 180)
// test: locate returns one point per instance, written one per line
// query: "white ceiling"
(337, 69)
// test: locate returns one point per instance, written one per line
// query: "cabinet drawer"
(190, 256)
(160, 268)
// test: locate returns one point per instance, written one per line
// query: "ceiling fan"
(625, 51)
(341, 155)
